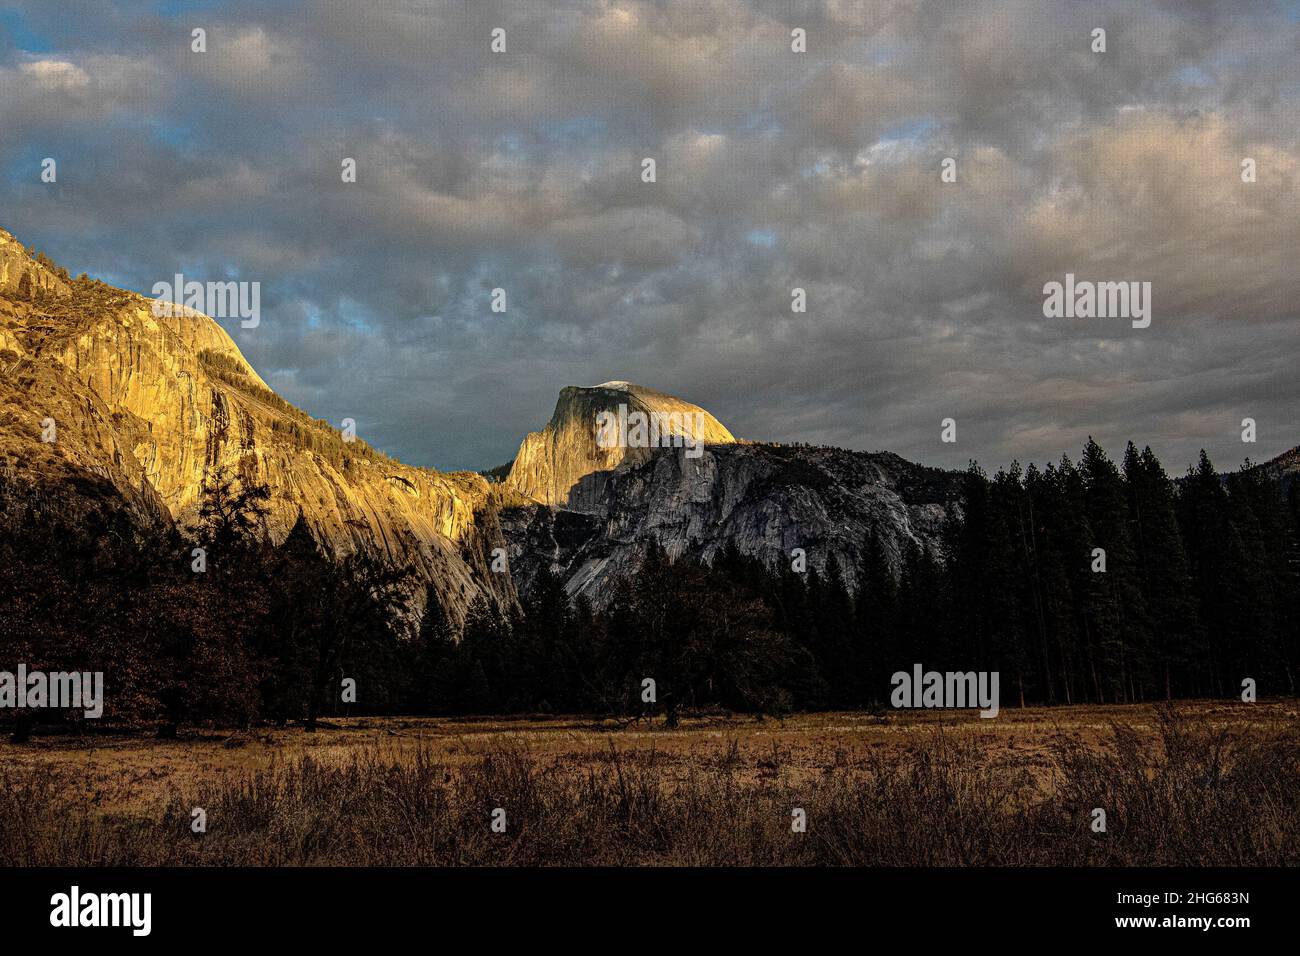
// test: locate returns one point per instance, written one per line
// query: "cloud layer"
(776, 170)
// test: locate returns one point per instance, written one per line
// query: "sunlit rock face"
(19, 271)
(152, 405)
(596, 429)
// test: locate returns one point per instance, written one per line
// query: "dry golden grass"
(1199, 784)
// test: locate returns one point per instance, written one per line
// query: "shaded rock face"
(154, 405)
(573, 445)
(1283, 469)
(767, 500)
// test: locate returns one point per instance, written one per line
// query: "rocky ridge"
(150, 406)
(766, 500)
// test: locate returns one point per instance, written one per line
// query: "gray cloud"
(776, 170)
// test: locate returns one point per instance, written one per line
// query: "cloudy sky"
(776, 170)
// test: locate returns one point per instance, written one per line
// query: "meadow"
(1201, 783)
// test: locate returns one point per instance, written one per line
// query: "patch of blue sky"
(16, 30)
(909, 131)
(880, 55)
(312, 316)
(575, 129)
(174, 9)
(179, 136)
(760, 122)
(822, 167)
(357, 316)
(510, 142)
(23, 159)
(1194, 76)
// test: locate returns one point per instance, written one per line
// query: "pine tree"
(1115, 608)
(439, 691)
(834, 647)
(1203, 516)
(875, 621)
(1011, 580)
(481, 661)
(1258, 519)
(1162, 571)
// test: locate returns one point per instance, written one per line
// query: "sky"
(775, 170)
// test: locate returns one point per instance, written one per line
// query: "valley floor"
(1198, 783)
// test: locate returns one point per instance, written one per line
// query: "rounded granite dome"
(599, 427)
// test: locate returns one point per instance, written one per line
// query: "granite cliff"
(145, 407)
(551, 462)
(764, 499)
(588, 507)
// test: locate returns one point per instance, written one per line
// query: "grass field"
(1200, 784)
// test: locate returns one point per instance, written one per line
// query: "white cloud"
(55, 74)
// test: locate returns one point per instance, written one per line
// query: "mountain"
(591, 507)
(764, 499)
(146, 407)
(552, 461)
(1283, 469)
